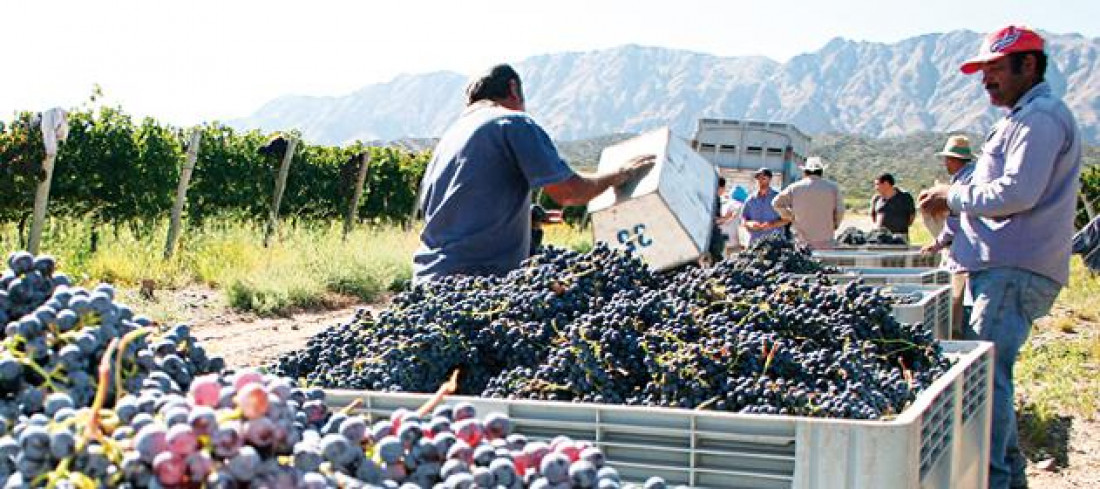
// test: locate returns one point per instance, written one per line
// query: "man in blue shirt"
(759, 217)
(476, 191)
(1016, 219)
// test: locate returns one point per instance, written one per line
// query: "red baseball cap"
(1011, 39)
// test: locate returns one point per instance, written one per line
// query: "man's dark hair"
(493, 85)
(721, 181)
(1016, 62)
(813, 172)
(886, 178)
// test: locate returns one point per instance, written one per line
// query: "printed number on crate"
(634, 240)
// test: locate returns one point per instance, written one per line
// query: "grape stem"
(449, 387)
(92, 429)
(126, 340)
(908, 374)
(770, 354)
(353, 405)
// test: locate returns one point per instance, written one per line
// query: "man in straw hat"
(813, 205)
(1016, 219)
(958, 159)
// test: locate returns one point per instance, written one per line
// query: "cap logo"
(1009, 38)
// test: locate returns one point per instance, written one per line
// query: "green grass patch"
(312, 262)
(568, 236)
(1061, 377)
(1082, 297)
(857, 204)
(1056, 382)
(308, 264)
(1058, 374)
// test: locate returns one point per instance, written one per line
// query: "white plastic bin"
(877, 258)
(846, 275)
(933, 310)
(941, 441)
(877, 247)
(902, 275)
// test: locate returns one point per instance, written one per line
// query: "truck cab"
(738, 148)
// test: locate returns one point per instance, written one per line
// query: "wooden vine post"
(353, 208)
(55, 128)
(181, 192)
(280, 185)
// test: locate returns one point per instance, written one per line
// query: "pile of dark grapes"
(93, 396)
(752, 334)
(778, 254)
(56, 336)
(879, 236)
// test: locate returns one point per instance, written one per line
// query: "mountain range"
(865, 88)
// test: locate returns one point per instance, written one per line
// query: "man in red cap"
(1016, 219)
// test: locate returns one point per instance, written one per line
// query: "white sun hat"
(814, 163)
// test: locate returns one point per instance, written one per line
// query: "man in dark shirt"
(476, 190)
(892, 208)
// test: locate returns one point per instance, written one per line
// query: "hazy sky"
(190, 61)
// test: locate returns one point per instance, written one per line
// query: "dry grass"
(308, 263)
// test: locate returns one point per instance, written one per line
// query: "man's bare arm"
(581, 188)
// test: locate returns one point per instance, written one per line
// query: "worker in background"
(717, 244)
(1016, 220)
(539, 216)
(729, 220)
(892, 208)
(476, 190)
(758, 215)
(958, 160)
(813, 205)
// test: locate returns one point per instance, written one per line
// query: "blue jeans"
(1006, 301)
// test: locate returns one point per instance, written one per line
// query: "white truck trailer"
(738, 148)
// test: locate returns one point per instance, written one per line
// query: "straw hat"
(957, 147)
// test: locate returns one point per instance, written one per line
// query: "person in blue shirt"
(476, 190)
(1015, 219)
(757, 215)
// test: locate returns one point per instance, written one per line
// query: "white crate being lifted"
(939, 442)
(667, 215)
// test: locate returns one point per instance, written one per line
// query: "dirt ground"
(1083, 470)
(243, 339)
(1075, 441)
(247, 341)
